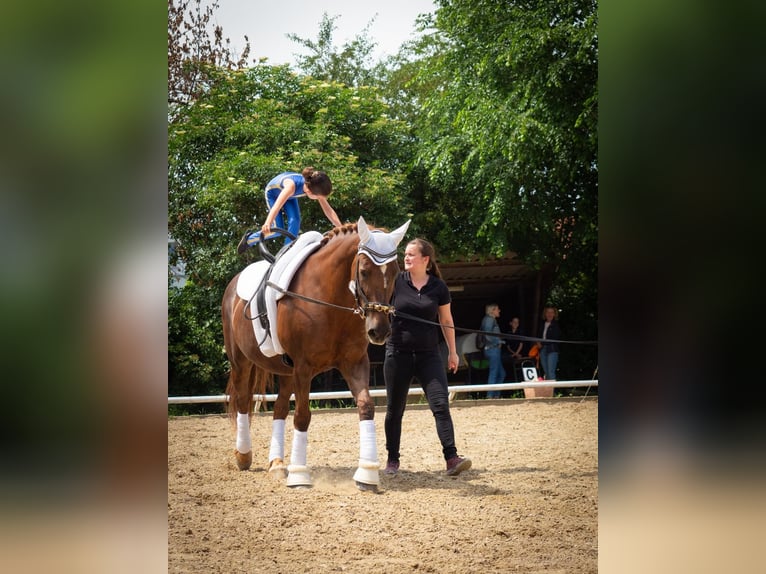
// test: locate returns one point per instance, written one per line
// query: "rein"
(493, 334)
(363, 304)
(311, 299)
(389, 309)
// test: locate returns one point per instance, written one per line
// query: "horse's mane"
(344, 229)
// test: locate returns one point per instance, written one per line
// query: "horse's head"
(373, 275)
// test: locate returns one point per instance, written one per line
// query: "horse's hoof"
(278, 474)
(277, 470)
(367, 473)
(367, 487)
(298, 475)
(243, 460)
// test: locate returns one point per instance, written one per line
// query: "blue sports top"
(278, 181)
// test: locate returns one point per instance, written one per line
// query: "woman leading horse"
(335, 305)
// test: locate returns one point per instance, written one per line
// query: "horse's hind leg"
(240, 391)
(277, 467)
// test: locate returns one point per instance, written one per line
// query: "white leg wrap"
(367, 472)
(244, 445)
(300, 442)
(298, 473)
(277, 449)
(368, 446)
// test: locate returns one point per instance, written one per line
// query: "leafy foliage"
(197, 364)
(508, 128)
(351, 64)
(503, 99)
(245, 128)
(251, 125)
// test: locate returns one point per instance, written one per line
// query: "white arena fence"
(382, 392)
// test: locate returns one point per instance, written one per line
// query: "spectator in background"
(515, 346)
(549, 353)
(493, 349)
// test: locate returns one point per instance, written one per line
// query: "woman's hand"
(452, 362)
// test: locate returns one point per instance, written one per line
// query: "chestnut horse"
(335, 305)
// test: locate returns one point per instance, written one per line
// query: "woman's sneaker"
(392, 467)
(457, 464)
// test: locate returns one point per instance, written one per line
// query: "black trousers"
(399, 368)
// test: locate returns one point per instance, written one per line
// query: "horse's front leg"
(357, 375)
(298, 472)
(277, 467)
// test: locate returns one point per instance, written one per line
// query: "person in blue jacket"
(493, 348)
(282, 194)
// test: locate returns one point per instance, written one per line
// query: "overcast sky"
(266, 23)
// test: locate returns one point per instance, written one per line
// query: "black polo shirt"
(409, 334)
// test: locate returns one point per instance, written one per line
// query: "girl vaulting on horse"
(282, 194)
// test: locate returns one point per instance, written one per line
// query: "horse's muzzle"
(378, 329)
(378, 336)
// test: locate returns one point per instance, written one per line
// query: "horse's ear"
(364, 231)
(398, 234)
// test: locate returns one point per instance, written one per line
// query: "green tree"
(230, 129)
(508, 128)
(351, 64)
(252, 124)
(197, 364)
(247, 126)
(506, 107)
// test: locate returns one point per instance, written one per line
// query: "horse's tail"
(260, 382)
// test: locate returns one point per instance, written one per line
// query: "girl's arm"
(329, 211)
(448, 330)
(284, 195)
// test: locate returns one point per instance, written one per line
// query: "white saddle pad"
(284, 269)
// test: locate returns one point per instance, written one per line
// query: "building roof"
(484, 279)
